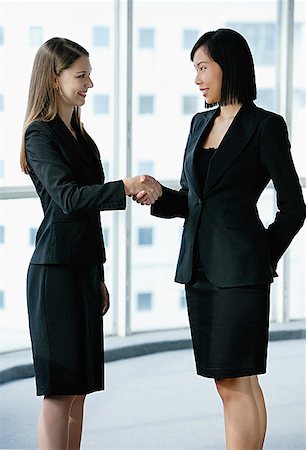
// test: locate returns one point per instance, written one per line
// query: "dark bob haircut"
(231, 51)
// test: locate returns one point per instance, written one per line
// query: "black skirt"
(229, 328)
(64, 305)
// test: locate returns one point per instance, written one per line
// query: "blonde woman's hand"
(150, 188)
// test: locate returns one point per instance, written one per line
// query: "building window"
(182, 300)
(145, 236)
(146, 104)
(190, 104)
(32, 236)
(1, 102)
(1, 300)
(266, 99)
(106, 236)
(35, 36)
(101, 36)
(189, 38)
(1, 234)
(262, 39)
(144, 301)
(101, 104)
(105, 165)
(1, 35)
(146, 38)
(1, 168)
(146, 167)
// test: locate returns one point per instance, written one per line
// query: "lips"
(82, 93)
(204, 91)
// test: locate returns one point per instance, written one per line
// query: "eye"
(81, 76)
(203, 68)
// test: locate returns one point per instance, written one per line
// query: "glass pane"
(161, 136)
(299, 90)
(297, 286)
(20, 225)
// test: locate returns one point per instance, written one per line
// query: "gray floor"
(157, 402)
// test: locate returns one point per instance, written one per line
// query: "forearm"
(171, 204)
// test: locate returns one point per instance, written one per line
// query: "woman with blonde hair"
(66, 293)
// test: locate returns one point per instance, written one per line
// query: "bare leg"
(75, 423)
(53, 422)
(240, 413)
(260, 402)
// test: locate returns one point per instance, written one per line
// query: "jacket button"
(199, 201)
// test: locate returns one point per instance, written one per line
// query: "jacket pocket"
(243, 221)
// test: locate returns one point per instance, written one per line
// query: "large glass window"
(163, 98)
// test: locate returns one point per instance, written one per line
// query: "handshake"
(143, 189)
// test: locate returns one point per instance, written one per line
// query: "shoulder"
(271, 119)
(40, 126)
(201, 118)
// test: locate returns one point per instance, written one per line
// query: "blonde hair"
(54, 56)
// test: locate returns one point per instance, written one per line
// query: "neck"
(66, 115)
(228, 112)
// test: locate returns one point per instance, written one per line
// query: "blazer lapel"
(196, 136)
(85, 156)
(234, 141)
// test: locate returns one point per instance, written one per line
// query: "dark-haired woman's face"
(209, 76)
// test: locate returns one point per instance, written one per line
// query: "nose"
(89, 83)
(197, 80)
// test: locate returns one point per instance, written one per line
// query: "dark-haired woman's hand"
(104, 298)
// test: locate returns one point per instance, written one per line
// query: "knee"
(232, 388)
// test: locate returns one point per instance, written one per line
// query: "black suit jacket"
(69, 179)
(235, 248)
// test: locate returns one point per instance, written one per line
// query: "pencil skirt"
(229, 328)
(66, 328)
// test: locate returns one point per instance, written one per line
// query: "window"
(144, 301)
(1, 234)
(145, 236)
(105, 165)
(1, 35)
(266, 99)
(101, 36)
(262, 40)
(146, 38)
(1, 300)
(35, 36)
(146, 104)
(182, 300)
(1, 102)
(101, 104)
(1, 168)
(106, 236)
(32, 235)
(189, 38)
(146, 167)
(190, 104)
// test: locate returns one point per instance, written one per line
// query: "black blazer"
(235, 248)
(69, 179)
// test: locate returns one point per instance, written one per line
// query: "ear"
(56, 84)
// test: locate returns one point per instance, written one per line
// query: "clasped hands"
(143, 189)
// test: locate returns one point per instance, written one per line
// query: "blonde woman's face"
(73, 83)
(209, 76)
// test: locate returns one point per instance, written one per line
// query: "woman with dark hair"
(228, 258)
(66, 293)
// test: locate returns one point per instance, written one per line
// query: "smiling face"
(209, 76)
(72, 84)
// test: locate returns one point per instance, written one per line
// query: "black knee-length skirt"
(64, 306)
(229, 328)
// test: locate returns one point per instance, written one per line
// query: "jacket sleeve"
(54, 173)
(276, 157)
(174, 203)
